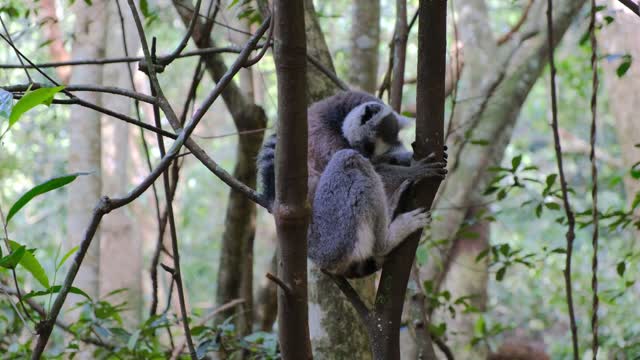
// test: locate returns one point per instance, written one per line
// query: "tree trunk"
(85, 139)
(53, 34)
(291, 208)
(620, 38)
(466, 277)
(365, 39)
(121, 251)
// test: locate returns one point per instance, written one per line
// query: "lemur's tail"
(267, 169)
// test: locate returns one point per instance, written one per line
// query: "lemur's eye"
(369, 111)
(368, 148)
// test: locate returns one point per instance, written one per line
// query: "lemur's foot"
(413, 220)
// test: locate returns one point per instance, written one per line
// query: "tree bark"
(85, 139)
(620, 38)
(467, 277)
(291, 208)
(365, 39)
(53, 34)
(120, 253)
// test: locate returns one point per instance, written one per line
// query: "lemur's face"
(372, 128)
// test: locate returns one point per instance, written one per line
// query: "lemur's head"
(372, 128)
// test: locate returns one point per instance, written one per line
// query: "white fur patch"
(365, 239)
(352, 127)
(381, 147)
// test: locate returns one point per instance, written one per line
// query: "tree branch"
(570, 235)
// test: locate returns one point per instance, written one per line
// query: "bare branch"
(90, 88)
(594, 179)
(506, 37)
(279, 282)
(352, 295)
(185, 39)
(570, 235)
(634, 7)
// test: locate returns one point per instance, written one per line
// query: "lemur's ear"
(369, 111)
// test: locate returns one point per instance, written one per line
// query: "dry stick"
(105, 205)
(156, 91)
(146, 152)
(276, 280)
(76, 100)
(155, 260)
(563, 183)
(127, 59)
(399, 55)
(594, 180)
(185, 39)
(90, 88)
(177, 274)
(631, 6)
(17, 55)
(506, 37)
(210, 316)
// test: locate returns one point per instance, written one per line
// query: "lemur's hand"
(429, 168)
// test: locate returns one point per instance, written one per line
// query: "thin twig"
(264, 49)
(352, 295)
(6, 31)
(185, 39)
(156, 91)
(327, 72)
(279, 282)
(631, 6)
(525, 13)
(89, 88)
(146, 153)
(205, 319)
(125, 59)
(570, 235)
(594, 180)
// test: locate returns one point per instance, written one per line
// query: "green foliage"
(31, 99)
(45, 187)
(31, 264)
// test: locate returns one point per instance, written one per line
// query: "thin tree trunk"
(620, 38)
(365, 39)
(53, 34)
(291, 209)
(466, 277)
(85, 139)
(121, 252)
(235, 270)
(399, 55)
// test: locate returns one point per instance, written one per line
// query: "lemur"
(358, 168)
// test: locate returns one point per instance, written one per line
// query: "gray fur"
(358, 170)
(351, 230)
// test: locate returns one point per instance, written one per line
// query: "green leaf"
(54, 290)
(32, 99)
(624, 66)
(32, 265)
(10, 261)
(480, 142)
(621, 268)
(515, 162)
(552, 206)
(66, 256)
(500, 273)
(46, 186)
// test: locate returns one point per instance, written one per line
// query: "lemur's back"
(325, 120)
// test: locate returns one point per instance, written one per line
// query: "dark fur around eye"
(369, 112)
(388, 129)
